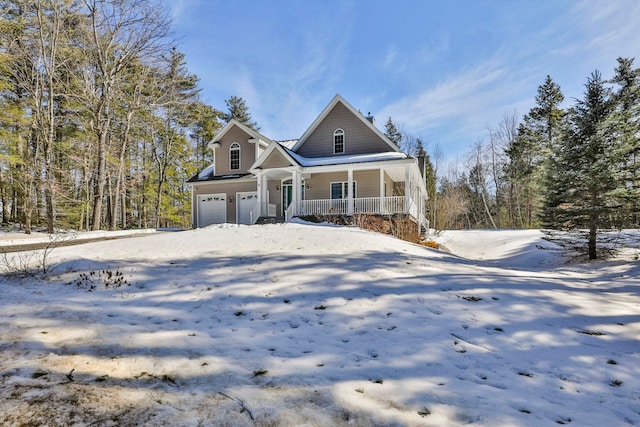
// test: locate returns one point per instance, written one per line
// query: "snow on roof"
(206, 172)
(289, 143)
(340, 160)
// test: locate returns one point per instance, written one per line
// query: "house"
(341, 165)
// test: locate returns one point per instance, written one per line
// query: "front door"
(287, 195)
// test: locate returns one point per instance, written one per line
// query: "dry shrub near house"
(375, 223)
(400, 226)
(431, 244)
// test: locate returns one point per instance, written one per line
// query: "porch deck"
(356, 206)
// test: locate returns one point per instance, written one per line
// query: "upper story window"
(234, 156)
(338, 141)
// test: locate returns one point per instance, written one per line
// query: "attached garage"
(212, 209)
(246, 201)
(226, 199)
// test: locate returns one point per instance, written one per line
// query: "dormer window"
(234, 156)
(338, 141)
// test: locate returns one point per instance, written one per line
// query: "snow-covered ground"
(297, 324)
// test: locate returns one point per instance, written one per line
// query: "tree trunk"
(120, 174)
(48, 195)
(593, 226)
(3, 199)
(592, 241)
(486, 208)
(101, 175)
(123, 211)
(159, 198)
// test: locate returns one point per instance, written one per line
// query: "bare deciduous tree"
(122, 31)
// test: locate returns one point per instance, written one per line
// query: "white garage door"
(246, 203)
(212, 209)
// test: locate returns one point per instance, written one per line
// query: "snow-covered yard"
(313, 325)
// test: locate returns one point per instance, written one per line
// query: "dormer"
(236, 147)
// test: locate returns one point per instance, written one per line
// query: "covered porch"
(383, 188)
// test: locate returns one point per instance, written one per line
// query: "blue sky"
(444, 71)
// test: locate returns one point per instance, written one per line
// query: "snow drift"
(301, 324)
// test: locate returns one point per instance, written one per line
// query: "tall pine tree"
(239, 111)
(547, 114)
(627, 129)
(581, 176)
(529, 154)
(392, 132)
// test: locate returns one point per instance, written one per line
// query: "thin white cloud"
(436, 85)
(461, 107)
(390, 57)
(455, 97)
(178, 8)
(611, 28)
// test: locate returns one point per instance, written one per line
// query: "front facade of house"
(341, 165)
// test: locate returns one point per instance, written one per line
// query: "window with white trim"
(338, 141)
(234, 156)
(340, 190)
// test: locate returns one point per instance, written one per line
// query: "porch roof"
(343, 160)
(202, 177)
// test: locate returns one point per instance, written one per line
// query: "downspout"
(194, 221)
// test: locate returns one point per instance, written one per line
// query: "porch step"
(270, 220)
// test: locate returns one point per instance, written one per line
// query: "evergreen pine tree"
(581, 174)
(626, 125)
(546, 115)
(239, 111)
(203, 129)
(391, 131)
(523, 173)
(430, 180)
(170, 150)
(529, 155)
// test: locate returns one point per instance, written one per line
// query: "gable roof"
(274, 146)
(339, 99)
(289, 143)
(246, 129)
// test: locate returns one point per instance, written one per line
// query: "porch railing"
(255, 213)
(288, 214)
(373, 205)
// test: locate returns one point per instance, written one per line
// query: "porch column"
(259, 191)
(381, 202)
(350, 191)
(407, 189)
(296, 194)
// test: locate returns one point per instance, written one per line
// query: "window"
(234, 156)
(338, 141)
(340, 190)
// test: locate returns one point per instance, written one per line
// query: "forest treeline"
(575, 168)
(101, 122)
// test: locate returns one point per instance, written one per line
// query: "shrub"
(431, 244)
